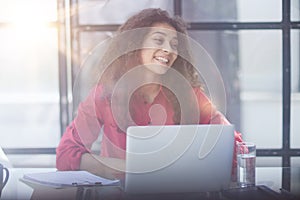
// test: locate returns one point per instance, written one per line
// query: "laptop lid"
(178, 158)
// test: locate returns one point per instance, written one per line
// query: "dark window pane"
(261, 85)
(90, 40)
(251, 63)
(295, 174)
(295, 10)
(295, 102)
(232, 10)
(92, 48)
(116, 11)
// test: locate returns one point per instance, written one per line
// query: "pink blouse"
(95, 113)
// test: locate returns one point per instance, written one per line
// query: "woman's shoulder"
(99, 91)
(199, 90)
(201, 95)
(98, 95)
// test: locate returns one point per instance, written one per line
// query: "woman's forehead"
(163, 28)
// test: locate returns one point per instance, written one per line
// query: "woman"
(145, 85)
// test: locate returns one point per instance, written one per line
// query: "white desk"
(18, 190)
(15, 189)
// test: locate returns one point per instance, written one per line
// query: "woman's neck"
(149, 92)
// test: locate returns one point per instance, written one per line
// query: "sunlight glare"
(29, 22)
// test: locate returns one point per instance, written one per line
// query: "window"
(29, 117)
(260, 40)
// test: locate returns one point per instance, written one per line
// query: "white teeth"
(161, 59)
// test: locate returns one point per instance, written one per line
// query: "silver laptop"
(178, 158)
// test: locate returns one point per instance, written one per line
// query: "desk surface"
(272, 177)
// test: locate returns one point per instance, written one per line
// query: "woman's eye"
(158, 41)
(174, 45)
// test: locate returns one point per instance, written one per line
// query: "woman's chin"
(160, 70)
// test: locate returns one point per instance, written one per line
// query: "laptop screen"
(178, 158)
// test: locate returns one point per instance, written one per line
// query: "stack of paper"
(68, 179)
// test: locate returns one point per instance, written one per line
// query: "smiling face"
(160, 48)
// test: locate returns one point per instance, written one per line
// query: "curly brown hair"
(122, 63)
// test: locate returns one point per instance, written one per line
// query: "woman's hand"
(111, 168)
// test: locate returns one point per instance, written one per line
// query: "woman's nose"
(167, 48)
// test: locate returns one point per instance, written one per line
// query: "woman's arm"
(208, 112)
(74, 150)
(72, 154)
(79, 135)
(210, 115)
